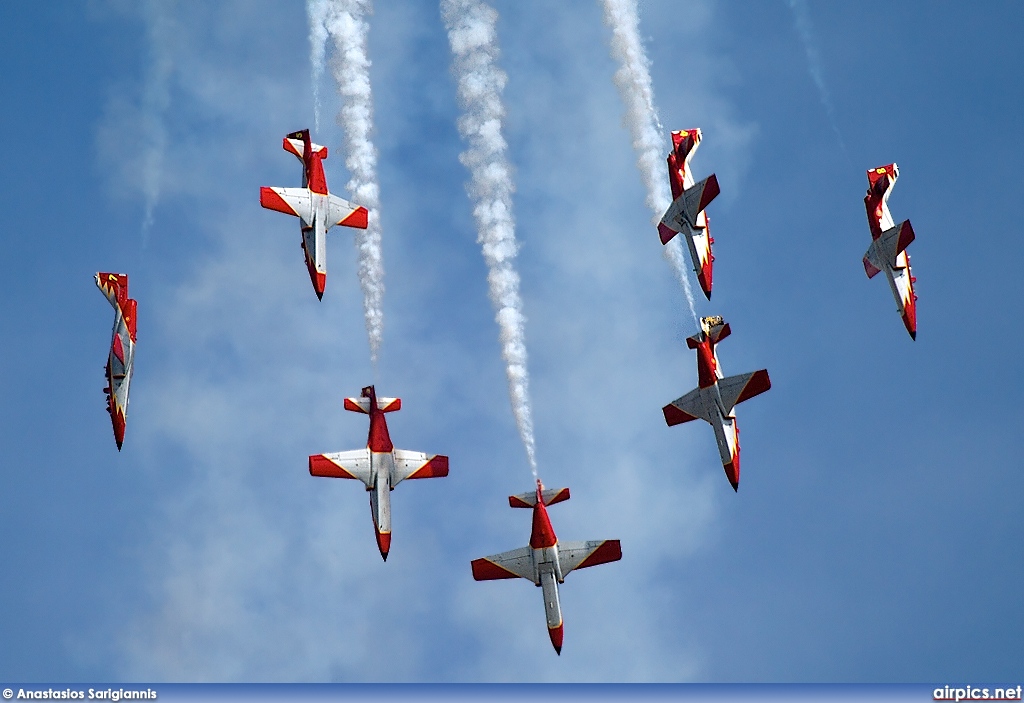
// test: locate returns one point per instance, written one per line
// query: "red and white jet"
(716, 396)
(888, 250)
(686, 214)
(380, 466)
(546, 562)
(317, 209)
(122, 349)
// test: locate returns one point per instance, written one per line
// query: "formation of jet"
(546, 561)
(380, 466)
(686, 213)
(317, 208)
(887, 252)
(716, 395)
(122, 349)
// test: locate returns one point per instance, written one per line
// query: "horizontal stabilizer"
(528, 500)
(362, 405)
(293, 144)
(715, 328)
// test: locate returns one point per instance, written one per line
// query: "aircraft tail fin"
(113, 285)
(528, 500)
(297, 142)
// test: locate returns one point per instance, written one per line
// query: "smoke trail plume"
(155, 101)
(633, 79)
(316, 11)
(474, 42)
(802, 19)
(344, 22)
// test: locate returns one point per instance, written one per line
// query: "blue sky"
(876, 535)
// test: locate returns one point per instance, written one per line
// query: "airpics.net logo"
(976, 693)
(114, 695)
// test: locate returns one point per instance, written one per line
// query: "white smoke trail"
(802, 19)
(155, 101)
(344, 22)
(633, 79)
(316, 11)
(474, 42)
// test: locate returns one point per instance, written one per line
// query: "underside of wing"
(689, 407)
(342, 212)
(290, 201)
(418, 465)
(580, 555)
(354, 464)
(517, 563)
(736, 389)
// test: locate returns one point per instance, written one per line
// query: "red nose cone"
(910, 318)
(319, 283)
(118, 418)
(556, 638)
(704, 277)
(732, 472)
(384, 543)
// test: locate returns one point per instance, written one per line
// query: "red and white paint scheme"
(888, 249)
(716, 395)
(686, 214)
(380, 466)
(122, 349)
(317, 209)
(546, 561)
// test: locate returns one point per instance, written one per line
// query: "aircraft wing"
(580, 555)
(517, 563)
(354, 464)
(689, 407)
(417, 465)
(342, 212)
(736, 389)
(290, 201)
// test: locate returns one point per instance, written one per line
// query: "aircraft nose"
(555, 633)
(118, 419)
(384, 544)
(732, 472)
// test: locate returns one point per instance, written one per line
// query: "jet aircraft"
(888, 249)
(122, 349)
(380, 466)
(317, 209)
(716, 396)
(686, 214)
(546, 561)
